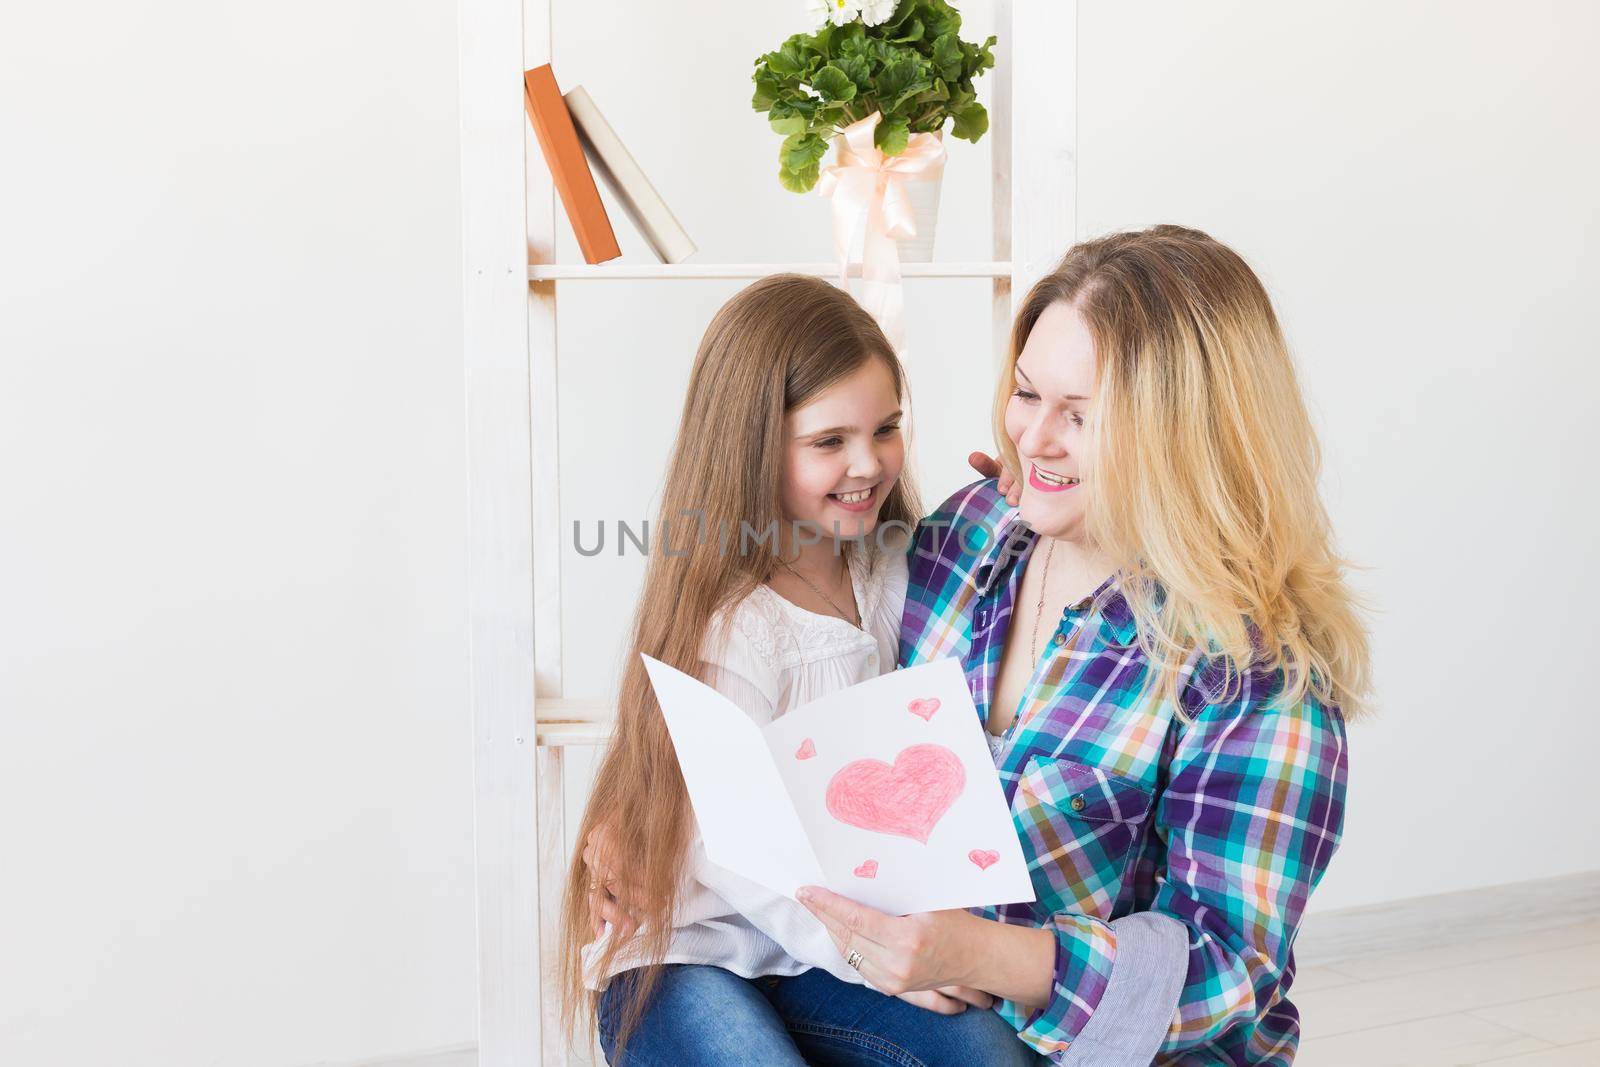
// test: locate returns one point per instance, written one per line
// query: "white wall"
(235, 762)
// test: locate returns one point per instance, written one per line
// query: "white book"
(611, 160)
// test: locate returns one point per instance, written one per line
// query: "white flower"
(876, 12)
(842, 11)
(819, 11)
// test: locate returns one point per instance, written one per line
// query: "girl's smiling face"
(845, 452)
(1051, 393)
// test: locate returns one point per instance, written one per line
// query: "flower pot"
(858, 177)
(924, 197)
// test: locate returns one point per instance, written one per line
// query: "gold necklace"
(831, 603)
(1044, 585)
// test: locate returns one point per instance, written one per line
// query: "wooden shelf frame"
(521, 723)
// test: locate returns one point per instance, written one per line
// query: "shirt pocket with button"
(1078, 825)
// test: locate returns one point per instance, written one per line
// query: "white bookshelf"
(552, 272)
(522, 725)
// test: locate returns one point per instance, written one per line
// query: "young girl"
(778, 576)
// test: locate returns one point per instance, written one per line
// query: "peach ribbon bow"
(866, 183)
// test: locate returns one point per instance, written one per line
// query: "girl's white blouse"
(767, 656)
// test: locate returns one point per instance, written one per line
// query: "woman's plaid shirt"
(1172, 860)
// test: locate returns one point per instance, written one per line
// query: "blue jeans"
(710, 1017)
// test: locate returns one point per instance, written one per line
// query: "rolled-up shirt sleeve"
(1251, 815)
(1114, 991)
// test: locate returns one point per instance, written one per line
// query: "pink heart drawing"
(984, 858)
(907, 799)
(924, 708)
(806, 750)
(868, 869)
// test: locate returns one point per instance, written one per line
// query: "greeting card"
(884, 792)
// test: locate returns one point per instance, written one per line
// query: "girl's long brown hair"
(769, 350)
(1203, 464)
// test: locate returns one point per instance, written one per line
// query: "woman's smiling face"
(1053, 387)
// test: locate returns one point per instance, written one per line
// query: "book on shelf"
(622, 175)
(564, 155)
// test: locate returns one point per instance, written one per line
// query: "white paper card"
(884, 792)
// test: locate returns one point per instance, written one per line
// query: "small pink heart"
(806, 750)
(924, 708)
(984, 858)
(869, 869)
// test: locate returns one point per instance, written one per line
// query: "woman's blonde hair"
(1203, 465)
(771, 349)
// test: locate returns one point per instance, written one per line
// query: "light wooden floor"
(1507, 975)
(1516, 999)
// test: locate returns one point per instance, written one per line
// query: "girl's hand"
(898, 954)
(990, 467)
(948, 1000)
(966, 995)
(610, 894)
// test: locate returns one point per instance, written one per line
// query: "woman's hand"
(990, 467)
(899, 954)
(609, 893)
(953, 952)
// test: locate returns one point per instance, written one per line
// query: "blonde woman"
(1163, 650)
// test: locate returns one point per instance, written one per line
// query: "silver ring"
(853, 960)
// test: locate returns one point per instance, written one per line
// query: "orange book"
(564, 155)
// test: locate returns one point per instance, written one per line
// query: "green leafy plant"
(911, 66)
